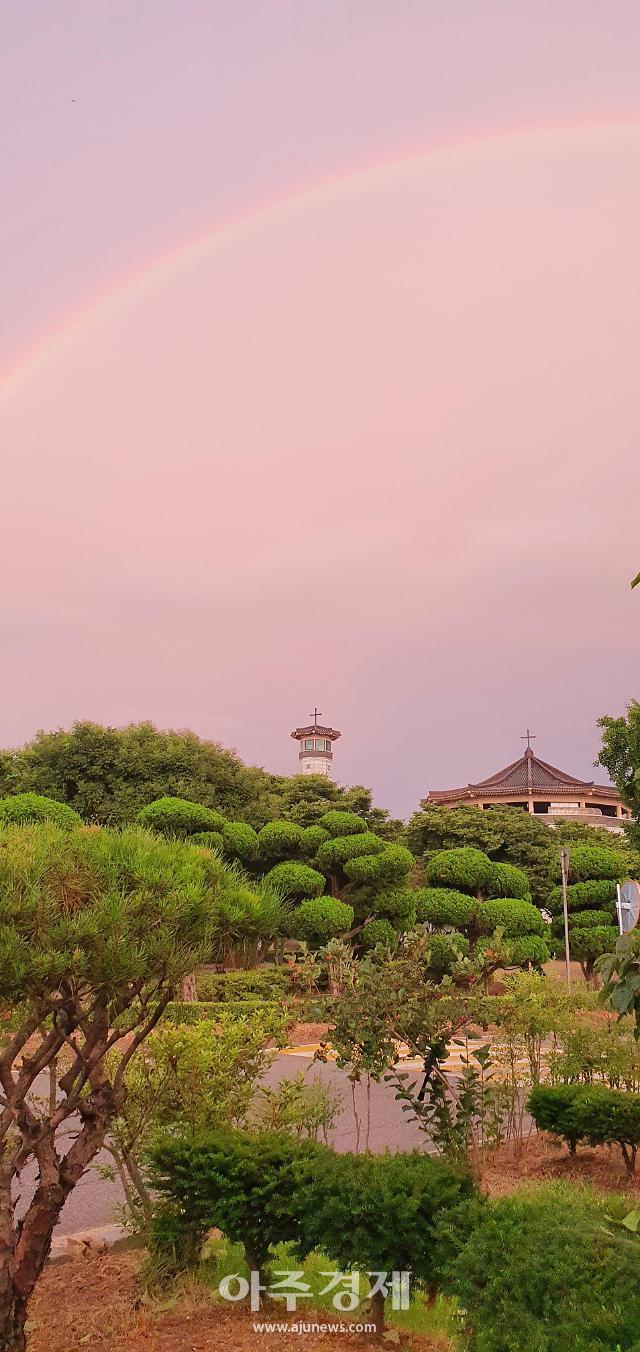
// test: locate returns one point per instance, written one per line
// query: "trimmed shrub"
(279, 840)
(365, 869)
(342, 848)
(342, 823)
(213, 1011)
(321, 919)
(209, 840)
(21, 808)
(267, 983)
(528, 949)
(580, 896)
(588, 862)
(542, 1271)
(177, 817)
(509, 881)
(397, 904)
(378, 932)
(588, 944)
(583, 920)
(443, 906)
(312, 838)
(395, 863)
(511, 915)
(445, 950)
(589, 1112)
(466, 869)
(240, 841)
(295, 881)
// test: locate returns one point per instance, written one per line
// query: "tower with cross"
(315, 746)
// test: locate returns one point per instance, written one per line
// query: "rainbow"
(350, 182)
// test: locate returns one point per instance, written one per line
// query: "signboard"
(628, 906)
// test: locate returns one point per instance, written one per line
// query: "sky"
(318, 376)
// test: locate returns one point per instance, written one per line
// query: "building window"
(308, 744)
(321, 744)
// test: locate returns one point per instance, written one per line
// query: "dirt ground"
(97, 1303)
(542, 1158)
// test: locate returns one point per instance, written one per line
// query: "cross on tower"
(528, 737)
(316, 715)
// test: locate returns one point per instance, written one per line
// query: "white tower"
(316, 747)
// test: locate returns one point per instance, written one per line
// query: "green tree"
(505, 834)
(593, 873)
(96, 930)
(620, 754)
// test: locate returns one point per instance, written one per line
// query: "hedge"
(197, 1011)
(22, 808)
(589, 1112)
(547, 1269)
(269, 983)
(465, 869)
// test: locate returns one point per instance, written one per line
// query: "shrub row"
(271, 983)
(591, 1113)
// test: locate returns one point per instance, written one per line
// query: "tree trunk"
(189, 992)
(13, 1313)
(377, 1312)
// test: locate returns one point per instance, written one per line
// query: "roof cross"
(316, 715)
(528, 737)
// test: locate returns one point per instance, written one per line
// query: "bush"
(588, 944)
(582, 895)
(197, 1011)
(295, 881)
(322, 919)
(177, 817)
(466, 869)
(397, 904)
(312, 838)
(541, 1271)
(280, 840)
(582, 920)
(342, 823)
(530, 949)
(268, 983)
(444, 952)
(589, 862)
(509, 881)
(589, 1112)
(511, 915)
(365, 869)
(209, 840)
(22, 808)
(395, 863)
(240, 841)
(444, 906)
(378, 932)
(342, 848)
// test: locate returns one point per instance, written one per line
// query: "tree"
(620, 755)
(96, 930)
(505, 834)
(322, 918)
(593, 874)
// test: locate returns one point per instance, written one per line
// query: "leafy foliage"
(542, 1271)
(210, 840)
(342, 823)
(503, 833)
(280, 840)
(179, 818)
(583, 895)
(239, 841)
(312, 838)
(508, 881)
(466, 870)
(592, 1113)
(337, 851)
(22, 808)
(376, 932)
(590, 862)
(443, 906)
(323, 918)
(510, 915)
(295, 880)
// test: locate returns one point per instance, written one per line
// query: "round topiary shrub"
(510, 915)
(312, 838)
(398, 905)
(580, 896)
(588, 862)
(584, 920)
(280, 840)
(179, 818)
(240, 841)
(466, 870)
(365, 869)
(22, 808)
(395, 863)
(321, 919)
(378, 932)
(342, 848)
(509, 881)
(444, 952)
(444, 906)
(528, 950)
(342, 823)
(295, 881)
(210, 840)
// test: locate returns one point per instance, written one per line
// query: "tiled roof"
(316, 730)
(526, 775)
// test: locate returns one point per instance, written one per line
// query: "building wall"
(315, 765)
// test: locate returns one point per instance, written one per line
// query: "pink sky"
(374, 447)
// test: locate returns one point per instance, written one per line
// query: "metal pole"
(564, 864)
(619, 908)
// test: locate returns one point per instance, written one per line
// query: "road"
(94, 1200)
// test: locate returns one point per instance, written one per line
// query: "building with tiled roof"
(315, 744)
(540, 788)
